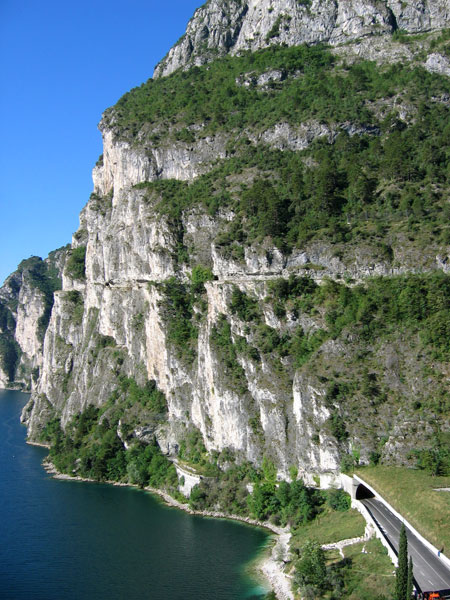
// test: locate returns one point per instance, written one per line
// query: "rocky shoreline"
(269, 565)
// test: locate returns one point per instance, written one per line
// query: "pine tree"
(410, 584)
(401, 581)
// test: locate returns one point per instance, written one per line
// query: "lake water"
(68, 540)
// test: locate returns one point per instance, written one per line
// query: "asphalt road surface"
(429, 571)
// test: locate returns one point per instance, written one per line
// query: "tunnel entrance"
(362, 492)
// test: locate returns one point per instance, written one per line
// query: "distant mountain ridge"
(26, 300)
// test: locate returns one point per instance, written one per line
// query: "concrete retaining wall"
(188, 480)
(373, 527)
(348, 485)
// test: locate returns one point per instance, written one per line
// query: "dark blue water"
(64, 540)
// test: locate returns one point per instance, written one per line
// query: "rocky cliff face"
(223, 26)
(123, 302)
(117, 316)
(26, 299)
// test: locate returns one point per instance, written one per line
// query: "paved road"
(429, 571)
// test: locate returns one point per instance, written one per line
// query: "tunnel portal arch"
(363, 492)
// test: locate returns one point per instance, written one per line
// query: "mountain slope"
(267, 241)
(26, 300)
(232, 26)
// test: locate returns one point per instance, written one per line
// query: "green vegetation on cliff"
(35, 277)
(375, 174)
(315, 518)
(381, 305)
(75, 266)
(45, 277)
(10, 354)
(92, 444)
(347, 193)
(212, 96)
(400, 321)
(225, 95)
(182, 307)
(328, 169)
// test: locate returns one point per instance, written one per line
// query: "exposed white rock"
(443, 262)
(25, 309)
(263, 80)
(31, 307)
(310, 415)
(220, 27)
(128, 243)
(382, 49)
(420, 15)
(219, 412)
(4, 379)
(121, 325)
(284, 136)
(125, 165)
(436, 63)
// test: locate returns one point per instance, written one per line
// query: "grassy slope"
(366, 572)
(411, 492)
(366, 569)
(371, 573)
(331, 527)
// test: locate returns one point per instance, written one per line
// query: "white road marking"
(419, 560)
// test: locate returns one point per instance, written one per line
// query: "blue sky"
(63, 64)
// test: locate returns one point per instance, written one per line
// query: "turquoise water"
(64, 540)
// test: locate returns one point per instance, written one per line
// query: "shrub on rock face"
(9, 356)
(76, 263)
(199, 276)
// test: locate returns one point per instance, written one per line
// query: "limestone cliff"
(130, 304)
(26, 300)
(223, 26)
